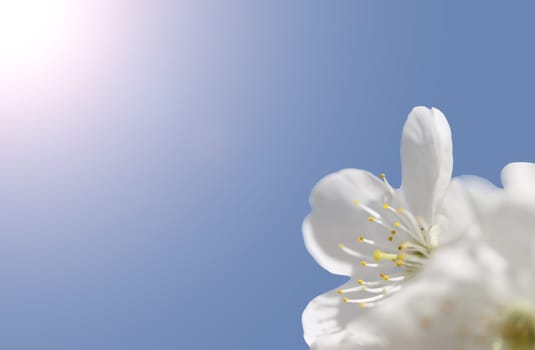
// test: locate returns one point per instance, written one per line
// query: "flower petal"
(509, 229)
(349, 341)
(327, 314)
(483, 195)
(518, 179)
(464, 202)
(335, 218)
(326, 319)
(426, 160)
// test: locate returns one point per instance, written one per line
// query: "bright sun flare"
(30, 29)
(43, 44)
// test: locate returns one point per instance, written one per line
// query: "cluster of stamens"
(406, 244)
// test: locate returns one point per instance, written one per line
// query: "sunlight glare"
(31, 30)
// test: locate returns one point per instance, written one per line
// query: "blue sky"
(153, 184)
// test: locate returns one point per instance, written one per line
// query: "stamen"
(365, 300)
(423, 229)
(366, 241)
(367, 264)
(395, 278)
(363, 240)
(398, 225)
(393, 266)
(406, 217)
(351, 251)
(387, 184)
(416, 236)
(411, 247)
(369, 283)
(367, 209)
(383, 293)
(377, 290)
(352, 289)
(392, 228)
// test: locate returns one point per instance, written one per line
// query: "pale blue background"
(163, 210)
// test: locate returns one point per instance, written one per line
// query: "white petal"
(335, 218)
(426, 160)
(349, 341)
(518, 179)
(434, 320)
(483, 195)
(510, 230)
(462, 206)
(327, 315)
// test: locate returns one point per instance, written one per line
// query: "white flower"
(478, 296)
(380, 237)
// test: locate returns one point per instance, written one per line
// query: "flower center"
(518, 330)
(404, 243)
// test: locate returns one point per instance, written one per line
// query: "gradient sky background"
(157, 156)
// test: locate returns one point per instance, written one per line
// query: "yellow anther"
(363, 263)
(400, 210)
(356, 201)
(340, 291)
(345, 300)
(397, 224)
(399, 263)
(362, 304)
(390, 238)
(382, 175)
(341, 246)
(360, 282)
(381, 275)
(393, 232)
(386, 206)
(371, 218)
(361, 239)
(386, 277)
(402, 246)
